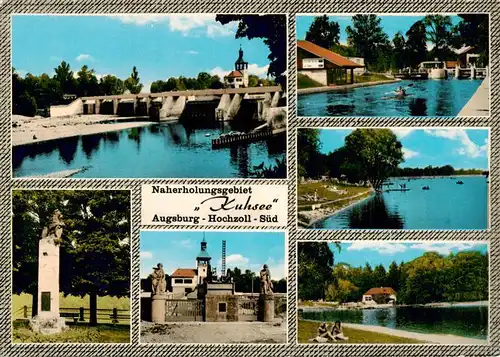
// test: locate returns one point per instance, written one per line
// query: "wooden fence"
(81, 314)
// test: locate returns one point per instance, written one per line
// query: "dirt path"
(214, 332)
(426, 337)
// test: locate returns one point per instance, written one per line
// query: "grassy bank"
(304, 81)
(81, 333)
(309, 329)
(324, 194)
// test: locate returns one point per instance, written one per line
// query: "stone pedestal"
(266, 308)
(158, 307)
(48, 325)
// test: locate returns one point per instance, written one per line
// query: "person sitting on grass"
(323, 334)
(337, 332)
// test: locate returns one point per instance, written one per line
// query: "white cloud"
(443, 248)
(469, 148)
(146, 255)
(236, 259)
(402, 132)
(191, 52)
(84, 57)
(252, 69)
(194, 24)
(385, 248)
(408, 154)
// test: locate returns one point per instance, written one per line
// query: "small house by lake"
(380, 295)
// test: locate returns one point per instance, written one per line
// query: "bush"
(26, 105)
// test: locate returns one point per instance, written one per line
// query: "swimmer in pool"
(400, 92)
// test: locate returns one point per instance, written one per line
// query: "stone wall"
(215, 303)
(74, 108)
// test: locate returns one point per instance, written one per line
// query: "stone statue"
(55, 227)
(266, 285)
(158, 280)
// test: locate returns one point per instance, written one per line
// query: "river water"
(153, 151)
(446, 205)
(425, 98)
(466, 321)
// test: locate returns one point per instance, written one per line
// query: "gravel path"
(214, 332)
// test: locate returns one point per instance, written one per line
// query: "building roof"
(328, 55)
(234, 74)
(184, 273)
(240, 59)
(380, 291)
(463, 50)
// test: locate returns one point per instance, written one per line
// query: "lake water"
(425, 98)
(466, 321)
(153, 151)
(446, 205)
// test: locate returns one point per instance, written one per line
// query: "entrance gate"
(184, 310)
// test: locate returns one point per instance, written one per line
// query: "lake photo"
(384, 292)
(393, 65)
(211, 104)
(400, 178)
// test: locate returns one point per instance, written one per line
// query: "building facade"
(239, 76)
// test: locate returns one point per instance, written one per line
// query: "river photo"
(446, 205)
(155, 151)
(466, 320)
(424, 98)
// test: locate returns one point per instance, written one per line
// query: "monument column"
(48, 320)
(158, 295)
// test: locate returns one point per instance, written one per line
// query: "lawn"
(365, 78)
(325, 195)
(103, 302)
(309, 329)
(304, 81)
(80, 333)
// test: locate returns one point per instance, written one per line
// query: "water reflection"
(374, 214)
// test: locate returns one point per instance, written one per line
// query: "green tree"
(253, 80)
(308, 145)
(315, 261)
(399, 52)
(367, 37)
(473, 31)
(204, 80)
(133, 83)
(87, 82)
(394, 276)
(374, 153)
(271, 28)
(416, 44)
(323, 32)
(64, 76)
(379, 276)
(439, 30)
(111, 85)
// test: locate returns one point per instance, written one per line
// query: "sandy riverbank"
(424, 337)
(27, 130)
(214, 332)
(479, 104)
(322, 213)
(301, 91)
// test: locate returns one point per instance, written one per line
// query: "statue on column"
(159, 283)
(55, 227)
(266, 285)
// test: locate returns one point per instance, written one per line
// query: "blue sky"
(246, 250)
(380, 252)
(160, 46)
(390, 24)
(461, 148)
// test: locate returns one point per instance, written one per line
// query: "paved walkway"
(343, 87)
(479, 104)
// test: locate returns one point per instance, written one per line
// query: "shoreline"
(302, 91)
(479, 104)
(370, 192)
(431, 304)
(446, 339)
(38, 130)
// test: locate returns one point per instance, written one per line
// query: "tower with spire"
(238, 77)
(203, 262)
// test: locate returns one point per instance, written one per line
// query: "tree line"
(366, 38)
(371, 155)
(94, 249)
(429, 278)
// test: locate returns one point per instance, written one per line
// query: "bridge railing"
(241, 138)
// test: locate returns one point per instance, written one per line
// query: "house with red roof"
(323, 65)
(380, 295)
